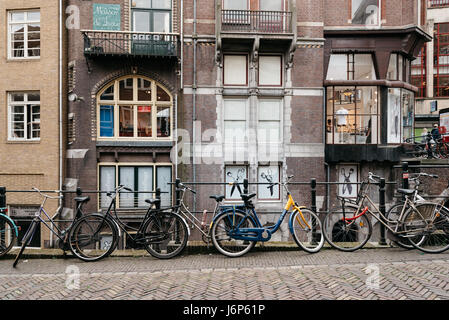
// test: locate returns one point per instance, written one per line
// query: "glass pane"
(163, 122)
(235, 70)
(366, 129)
(235, 4)
(17, 97)
(401, 67)
(106, 121)
(108, 94)
(392, 73)
(126, 90)
(141, 21)
(270, 71)
(268, 175)
(34, 97)
(234, 131)
(34, 16)
(235, 174)
(269, 109)
(365, 12)
(407, 114)
(17, 16)
(161, 22)
(344, 117)
(270, 5)
(162, 95)
(142, 4)
(364, 67)
(347, 176)
(107, 183)
(164, 176)
(145, 183)
(329, 130)
(144, 120)
(161, 4)
(394, 116)
(269, 131)
(18, 109)
(144, 90)
(338, 67)
(126, 178)
(234, 109)
(126, 121)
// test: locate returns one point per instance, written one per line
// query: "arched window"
(134, 107)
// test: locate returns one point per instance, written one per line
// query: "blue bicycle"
(235, 231)
(9, 232)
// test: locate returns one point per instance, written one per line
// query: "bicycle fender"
(185, 223)
(16, 230)
(290, 220)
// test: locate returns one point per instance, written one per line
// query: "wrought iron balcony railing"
(438, 3)
(128, 43)
(256, 21)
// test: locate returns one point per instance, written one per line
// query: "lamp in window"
(348, 93)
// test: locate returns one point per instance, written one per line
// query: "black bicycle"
(62, 235)
(162, 232)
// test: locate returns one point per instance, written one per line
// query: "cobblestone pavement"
(291, 275)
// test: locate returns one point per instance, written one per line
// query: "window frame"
(26, 22)
(224, 137)
(279, 191)
(151, 11)
(422, 73)
(351, 65)
(437, 76)
(228, 186)
(281, 75)
(26, 104)
(280, 121)
(134, 165)
(246, 69)
(135, 103)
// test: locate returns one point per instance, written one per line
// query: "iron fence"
(256, 21)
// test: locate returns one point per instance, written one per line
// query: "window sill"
(23, 142)
(22, 59)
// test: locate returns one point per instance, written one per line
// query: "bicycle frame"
(16, 229)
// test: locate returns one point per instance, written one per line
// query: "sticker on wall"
(347, 177)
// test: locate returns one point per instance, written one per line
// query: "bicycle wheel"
(223, 242)
(393, 215)
(26, 240)
(166, 235)
(93, 237)
(346, 235)
(307, 230)
(443, 150)
(7, 235)
(427, 227)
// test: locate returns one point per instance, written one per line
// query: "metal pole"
(382, 240)
(313, 192)
(405, 175)
(177, 192)
(245, 186)
(158, 196)
(2, 197)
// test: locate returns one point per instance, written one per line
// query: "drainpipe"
(182, 44)
(195, 41)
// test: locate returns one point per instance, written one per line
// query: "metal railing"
(256, 21)
(129, 43)
(438, 3)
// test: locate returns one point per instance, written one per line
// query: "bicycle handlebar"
(186, 187)
(46, 195)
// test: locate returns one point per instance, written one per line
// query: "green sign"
(106, 16)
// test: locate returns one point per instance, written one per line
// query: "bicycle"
(9, 232)
(62, 235)
(347, 228)
(162, 232)
(235, 231)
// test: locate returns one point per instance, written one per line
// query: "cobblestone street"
(369, 274)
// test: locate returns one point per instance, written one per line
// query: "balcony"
(128, 43)
(438, 3)
(249, 21)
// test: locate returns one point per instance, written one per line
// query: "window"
(265, 176)
(134, 108)
(140, 179)
(441, 60)
(234, 120)
(351, 67)
(151, 15)
(235, 174)
(271, 5)
(235, 5)
(235, 70)
(269, 127)
(419, 72)
(438, 3)
(365, 12)
(24, 116)
(352, 115)
(400, 115)
(348, 177)
(398, 67)
(270, 71)
(24, 34)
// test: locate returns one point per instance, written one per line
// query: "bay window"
(351, 67)
(400, 115)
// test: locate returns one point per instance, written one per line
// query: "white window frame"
(26, 22)
(281, 73)
(225, 138)
(26, 104)
(259, 120)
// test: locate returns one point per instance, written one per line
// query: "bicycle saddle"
(82, 199)
(246, 197)
(152, 201)
(406, 191)
(217, 198)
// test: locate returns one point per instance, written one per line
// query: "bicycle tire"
(434, 219)
(353, 236)
(6, 242)
(305, 237)
(25, 241)
(93, 237)
(225, 244)
(393, 215)
(167, 235)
